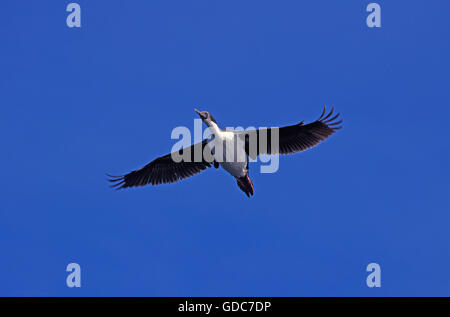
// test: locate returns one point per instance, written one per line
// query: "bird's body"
(234, 161)
(231, 151)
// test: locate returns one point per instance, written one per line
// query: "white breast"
(231, 156)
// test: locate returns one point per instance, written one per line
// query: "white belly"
(237, 169)
(231, 156)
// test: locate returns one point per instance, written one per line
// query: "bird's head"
(206, 117)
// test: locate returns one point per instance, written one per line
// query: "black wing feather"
(163, 170)
(298, 137)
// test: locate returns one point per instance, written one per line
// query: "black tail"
(246, 185)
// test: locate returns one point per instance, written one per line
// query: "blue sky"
(104, 98)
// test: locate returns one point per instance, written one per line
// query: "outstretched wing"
(164, 169)
(293, 138)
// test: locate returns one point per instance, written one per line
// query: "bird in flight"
(230, 150)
